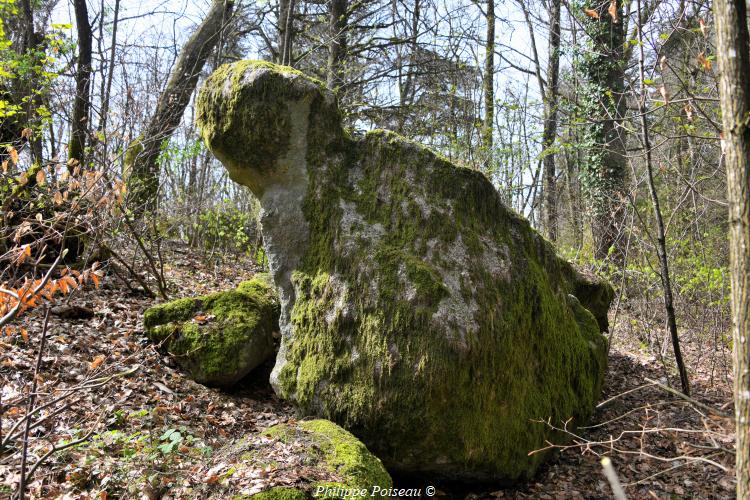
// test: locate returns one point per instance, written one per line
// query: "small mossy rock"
(325, 461)
(418, 311)
(218, 338)
(335, 462)
(281, 493)
(339, 452)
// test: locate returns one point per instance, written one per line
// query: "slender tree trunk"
(489, 87)
(550, 120)
(31, 43)
(110, 76)
(337, 45)
(733, 49)
(142, 155)
(286, 32)
(573, 158)
(661, 247)
(81, 102)
(406, 89)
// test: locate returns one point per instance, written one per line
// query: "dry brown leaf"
(612, 10)
(13, 155)
(664, 93)
(689, 112)
(97, 362)
(23, 254)
(591, 13)
(704, 62)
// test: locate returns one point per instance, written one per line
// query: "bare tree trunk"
(733, 49)
(142, 155)
(286, 32)
(31, 43)
(337, 46)
(406, 84)
(489, 86)
(110, 76)
(550, 120)
(661, 246)
(81, 102)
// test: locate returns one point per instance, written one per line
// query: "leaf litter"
(156, 434)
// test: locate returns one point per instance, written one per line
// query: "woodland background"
(598, 120)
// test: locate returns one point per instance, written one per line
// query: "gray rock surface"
(418, 311)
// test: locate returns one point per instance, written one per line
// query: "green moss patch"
(281, 493)
(420, 313)
(218, 338)
(330, 461)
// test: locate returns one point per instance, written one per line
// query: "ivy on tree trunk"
(602, 104)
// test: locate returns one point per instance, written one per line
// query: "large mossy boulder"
(218, 338)
(418, 311)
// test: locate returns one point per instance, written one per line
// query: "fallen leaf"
(97, 362)
(163, 387)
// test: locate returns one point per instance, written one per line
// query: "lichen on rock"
(418, 311)
(221, 337)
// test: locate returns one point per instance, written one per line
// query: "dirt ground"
(128, 401)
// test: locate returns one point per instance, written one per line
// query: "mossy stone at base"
(281, 493)
(418, 311)
(337, 450)
(218, 338)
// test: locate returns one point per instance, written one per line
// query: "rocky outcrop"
(218, 338)
(417, 310)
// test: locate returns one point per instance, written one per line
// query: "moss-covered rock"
(353, 466)
(281, 493)
(330, 461)
(218, 338)
(417, 310)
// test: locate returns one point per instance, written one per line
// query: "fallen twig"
(689, 399)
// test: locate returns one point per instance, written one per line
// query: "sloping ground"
(156, 433)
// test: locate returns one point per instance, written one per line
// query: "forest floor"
(150, 432)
